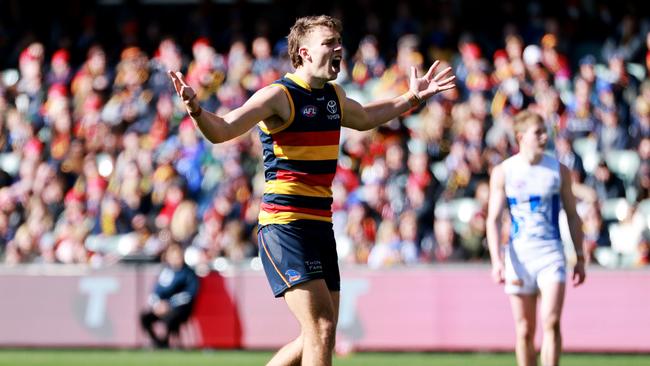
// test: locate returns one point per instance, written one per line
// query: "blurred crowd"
(99, 161)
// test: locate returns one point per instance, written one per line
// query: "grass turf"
(33, 357)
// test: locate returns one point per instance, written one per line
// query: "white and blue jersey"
(535, 252)
(533, 193)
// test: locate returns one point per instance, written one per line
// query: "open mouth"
(336, 62)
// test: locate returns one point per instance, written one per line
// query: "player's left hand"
(579, 274)
(430, 84)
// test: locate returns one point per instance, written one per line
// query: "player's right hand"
(184, 91)
(498, 273)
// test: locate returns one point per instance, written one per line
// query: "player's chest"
(318, 108)
(532, 182)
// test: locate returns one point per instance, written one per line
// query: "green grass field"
(31, 357)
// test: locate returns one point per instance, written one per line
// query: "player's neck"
(307, 77)
(532, 157)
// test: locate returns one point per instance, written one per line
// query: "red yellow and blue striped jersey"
(300, 157)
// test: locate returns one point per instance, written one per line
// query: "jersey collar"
(296, 79)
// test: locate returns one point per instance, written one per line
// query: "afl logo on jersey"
(309, 111)
(331, 106)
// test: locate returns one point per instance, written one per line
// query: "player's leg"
(552, 294)
(522, 288)
(312, 304)
(275, 254)
(524, 308)
(303, 274)
(331, 272)
(291, 353)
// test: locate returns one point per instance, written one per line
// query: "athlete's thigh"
(310, 301)
(524, 309)
(552, 300)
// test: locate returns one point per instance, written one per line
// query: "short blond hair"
(302, 27)
(525, 119)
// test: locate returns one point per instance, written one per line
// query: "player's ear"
(304, 53)
(518, 135)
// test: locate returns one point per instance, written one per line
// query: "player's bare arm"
(495, 208)
(266, 104)
(575, 224)
(371, 115)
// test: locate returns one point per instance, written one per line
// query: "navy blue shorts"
(298, 252)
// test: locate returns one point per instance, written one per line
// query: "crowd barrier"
(451, 308)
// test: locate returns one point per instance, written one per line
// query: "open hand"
(430, 84)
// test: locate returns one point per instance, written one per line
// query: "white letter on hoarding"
(98, 289)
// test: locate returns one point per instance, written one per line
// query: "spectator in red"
(60, 70)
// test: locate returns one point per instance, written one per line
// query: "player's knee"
(552, 323)
(525, 330)
(326, 330)
(326, 326)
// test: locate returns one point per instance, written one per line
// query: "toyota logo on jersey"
(331, 106)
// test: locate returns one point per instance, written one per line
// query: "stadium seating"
(625, 163)
(10, 163)
(614, 209)
(439, 170)
(587, 149)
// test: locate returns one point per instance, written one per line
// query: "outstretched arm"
(266, 102)
(371, 115)
(575, 224)
(495, 207)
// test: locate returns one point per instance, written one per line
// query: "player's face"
(535, 137)
(325, 52)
